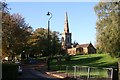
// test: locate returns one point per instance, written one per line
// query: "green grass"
(98, 61)
(92, 60)
(97, 73)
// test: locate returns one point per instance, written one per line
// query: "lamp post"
(48, 62)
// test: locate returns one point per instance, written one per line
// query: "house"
(87, 48)
(67, 45)
(74, 50)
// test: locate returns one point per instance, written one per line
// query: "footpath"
(43, 69)
(30, 73)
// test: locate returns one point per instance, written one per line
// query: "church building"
(66, 35)
(67, 42)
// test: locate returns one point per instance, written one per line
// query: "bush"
(9, 71)
(68, 78)
(99, 51)
(117, 55)
(68, 57)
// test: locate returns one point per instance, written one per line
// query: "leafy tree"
(108, 27)
(15, 33)
(18, 37)
(39, 42)
(55, 47)
(4, 10)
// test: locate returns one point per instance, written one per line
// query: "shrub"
(68, 57)
(9, 71)
(68, 78)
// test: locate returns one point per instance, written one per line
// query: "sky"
(81, 17)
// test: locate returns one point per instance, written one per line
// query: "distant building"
(66, 35)
(79, 48)
(82, 49)
(88, 48)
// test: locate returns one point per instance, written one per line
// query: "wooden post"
(75, 71)
(67, 71)
(111, 73)
(88, 72)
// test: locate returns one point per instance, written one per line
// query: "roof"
(66, 27)
(84, 45)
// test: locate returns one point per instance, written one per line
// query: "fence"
(85, 72)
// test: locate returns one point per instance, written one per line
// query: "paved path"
(30, 74)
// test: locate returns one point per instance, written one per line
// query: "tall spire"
(66, 27)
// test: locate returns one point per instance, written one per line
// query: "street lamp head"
(48, 13)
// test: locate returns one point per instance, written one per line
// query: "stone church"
(87, 48)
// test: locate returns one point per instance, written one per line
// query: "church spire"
(66, 27)
(66, 36)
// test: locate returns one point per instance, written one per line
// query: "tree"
(108, 27)
(55, 46)
(39, 42)
(4, 10)
(15, 33)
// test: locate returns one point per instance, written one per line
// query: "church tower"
(66, 36)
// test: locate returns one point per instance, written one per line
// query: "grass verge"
(92, 60)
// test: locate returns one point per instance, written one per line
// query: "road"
(30, 74)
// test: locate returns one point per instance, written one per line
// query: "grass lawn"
(92, 60)
(97, 61)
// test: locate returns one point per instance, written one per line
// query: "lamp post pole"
(48, 60)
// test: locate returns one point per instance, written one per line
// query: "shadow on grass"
(82, 61)
(110, 65)
(85, 61)
(79, 62)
